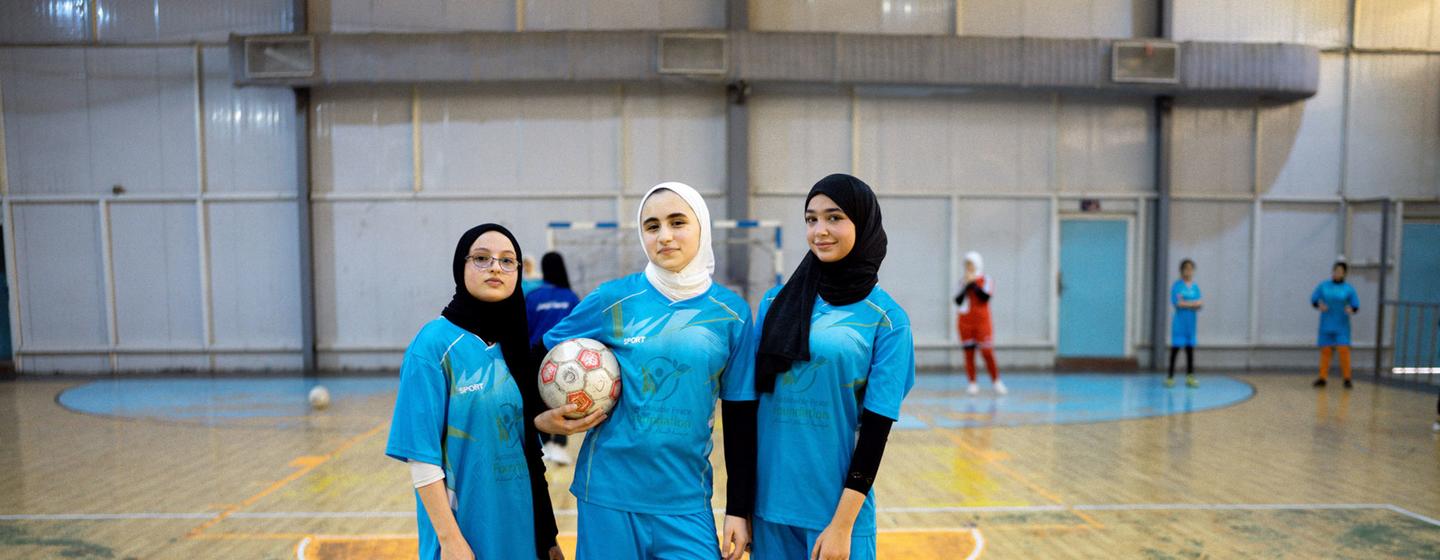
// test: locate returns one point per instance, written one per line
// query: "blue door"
(1417, 328)
(1092, 288)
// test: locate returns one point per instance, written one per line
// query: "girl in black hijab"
(835, 360)
(463, 414)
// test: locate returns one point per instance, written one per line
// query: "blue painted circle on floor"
(218, 401)
(939, 401)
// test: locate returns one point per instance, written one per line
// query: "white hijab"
(694, 279)
(974, 257)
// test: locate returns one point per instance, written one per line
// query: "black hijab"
(785, 336)
(553, 266)
(501, 322)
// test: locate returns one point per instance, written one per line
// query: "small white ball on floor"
(319, 397)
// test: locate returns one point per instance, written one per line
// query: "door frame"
(1130, 295)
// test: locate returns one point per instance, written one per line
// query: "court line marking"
(1406, 512)
(292, 477)
(571, 512)
(979, 543)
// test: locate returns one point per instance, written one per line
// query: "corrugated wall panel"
(1394, 132)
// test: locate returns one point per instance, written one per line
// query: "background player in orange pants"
(974, 322)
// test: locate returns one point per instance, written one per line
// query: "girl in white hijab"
(643, 479)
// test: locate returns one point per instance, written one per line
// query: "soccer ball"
(583, 372)
(319, 397)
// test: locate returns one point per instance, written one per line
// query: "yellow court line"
(310, 462)
(1022, 479)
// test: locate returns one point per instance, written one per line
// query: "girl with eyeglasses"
(462, 417)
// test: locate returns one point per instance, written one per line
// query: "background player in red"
(974, 322)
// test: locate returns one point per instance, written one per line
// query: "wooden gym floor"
(1066, 466)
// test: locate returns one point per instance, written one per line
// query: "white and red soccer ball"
(583, 372)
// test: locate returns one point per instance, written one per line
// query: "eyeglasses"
(484, 262)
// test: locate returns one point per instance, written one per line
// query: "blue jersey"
(545, 306)
(861, 355)
(1182, 327)
(652, 455)
(1334, 321)
(459, 408)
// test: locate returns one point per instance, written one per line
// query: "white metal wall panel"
(361, 140)
(1298, 243)
(354, 16)
(918, 232)
(1013, 237)
(60, 272)
(1394, 132)
(255, 276)
(674, 134)
(44, 21)
(1397, 24)
(797, 139)
(1105, 144)
(74, 363)
(1051, 18)
(908, 17)
(1216, 235)
(163, 362)
(412, 242)
(157, 275)
(1213, 149)
(1315, 22)
(190, 20)
(525, 139)
(142, 119)
(1301, 143)
(624, 14)
(249, 132)
(47, 120)
(967, 143)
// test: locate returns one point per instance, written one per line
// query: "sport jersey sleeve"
(738, 381)
(1316, 294)
(983, 290)
(586, 321)
(419, 421)
(1175, 290)
(892, 366)
(1352, 297)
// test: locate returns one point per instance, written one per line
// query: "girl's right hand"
(1322, 306)
(553, 421)
(456, 549)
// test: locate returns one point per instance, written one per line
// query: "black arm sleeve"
(960, 297)
(869, 448)
(543, 511)
(740, 445)
(980, 294)
(545, 529)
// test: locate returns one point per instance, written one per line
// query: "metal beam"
(1246, 70)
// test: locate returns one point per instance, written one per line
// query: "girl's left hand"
(556, 554)
(736, 536)
(833, 544)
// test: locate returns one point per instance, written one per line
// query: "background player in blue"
(550, 301)
(462, 421)
(835, 359)
(1337, 301)
(643, 478)
(1185, 296)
